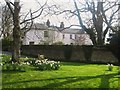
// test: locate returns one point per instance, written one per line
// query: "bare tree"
(6, 26)
(102, 13)
(99, 16)
(17, 30)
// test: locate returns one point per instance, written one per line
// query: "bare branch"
(115, 3)
(67, 27)
(69, 11)
(31, 24)
(31, 21)
(10, 7)
(25, 26)
(111, 18)
(33, 17)
(41, 8)
(26, 16)
(12, 3)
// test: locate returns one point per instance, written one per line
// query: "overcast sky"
(55, 20)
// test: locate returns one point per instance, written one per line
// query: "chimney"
(61, 25)
(48, 23)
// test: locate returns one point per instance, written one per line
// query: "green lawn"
(70, 75)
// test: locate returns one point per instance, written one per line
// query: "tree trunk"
(99, 27)
(99, 35)
(16, 33)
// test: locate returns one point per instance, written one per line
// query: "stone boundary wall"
(57, 52)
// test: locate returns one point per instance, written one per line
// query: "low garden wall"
(69, 53)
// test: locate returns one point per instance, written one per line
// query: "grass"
(70, 75)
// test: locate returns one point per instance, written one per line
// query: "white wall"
(33, 36)
(67, 39)
(83, 39)
(37, 36)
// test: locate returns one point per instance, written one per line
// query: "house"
(71, 36)
(41, 34)
(45, 34)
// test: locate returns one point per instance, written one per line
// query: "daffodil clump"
(44, 64)
(13, 66)
(41, 63)
(110, 67)
(7, 65)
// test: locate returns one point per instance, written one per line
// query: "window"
(45, 33)
(71, 36)
(75, 36)
(31, 43)
(63, 36)
(71, 43)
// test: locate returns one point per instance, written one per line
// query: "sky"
(55, 20)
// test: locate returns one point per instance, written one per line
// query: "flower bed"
(44, 64)
(41, 63)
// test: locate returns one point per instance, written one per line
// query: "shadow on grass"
(11, 72)
(70, 79)
(81, 63)
(73, 64)
(104, 80)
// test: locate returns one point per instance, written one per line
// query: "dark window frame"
(46, 34)
(63, 36)
(31, 43)
(70, 36)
